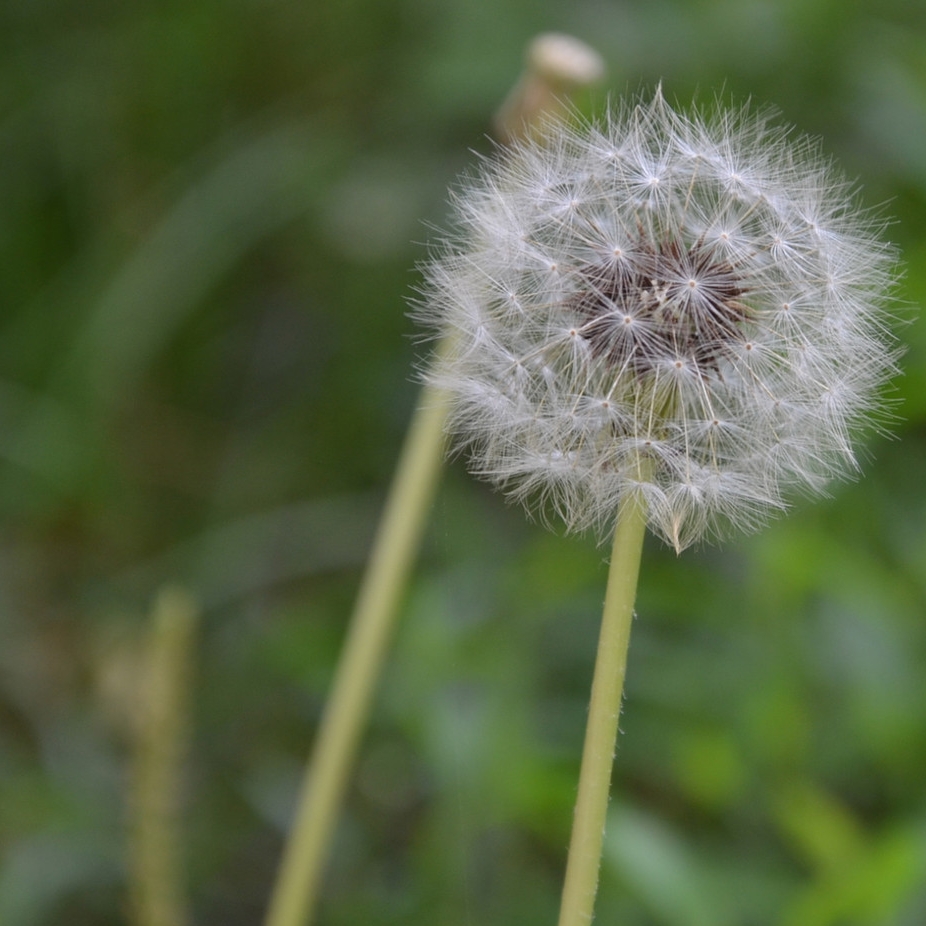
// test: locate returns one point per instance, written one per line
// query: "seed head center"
(662, 303)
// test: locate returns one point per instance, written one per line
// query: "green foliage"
(209, 212)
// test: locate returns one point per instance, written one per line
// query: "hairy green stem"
(584, 861)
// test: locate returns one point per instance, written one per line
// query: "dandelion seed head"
(688, 308)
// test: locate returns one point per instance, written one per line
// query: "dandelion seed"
(691, 308)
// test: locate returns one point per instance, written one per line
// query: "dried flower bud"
(687, 307)
(557, 66)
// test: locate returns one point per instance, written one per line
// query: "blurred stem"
(557, 67)
(369, 633)
(156, 882)
(584, 861)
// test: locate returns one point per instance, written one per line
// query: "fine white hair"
(689, 308)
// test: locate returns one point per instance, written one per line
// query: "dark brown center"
(662, 304)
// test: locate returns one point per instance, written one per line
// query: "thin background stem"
(584, 861)
(368, 637)
(156, 866)
(557, 67)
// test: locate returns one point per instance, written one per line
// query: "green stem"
(156, 867)
(581, 883)
(369, 633)
(295, 892)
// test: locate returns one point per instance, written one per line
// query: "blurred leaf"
(656, 865)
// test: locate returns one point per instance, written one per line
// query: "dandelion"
(689, 309)
(656, 320)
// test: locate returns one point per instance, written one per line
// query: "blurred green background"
(210, 213)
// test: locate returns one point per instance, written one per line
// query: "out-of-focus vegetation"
(208, 219)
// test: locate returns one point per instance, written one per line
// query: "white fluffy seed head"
(689, 308)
